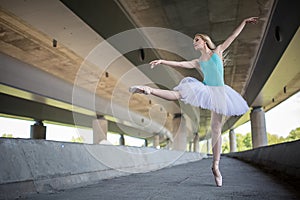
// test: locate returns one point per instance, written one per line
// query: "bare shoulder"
(195, 63)
(218, 50)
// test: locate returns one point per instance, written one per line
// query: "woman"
(210, 94)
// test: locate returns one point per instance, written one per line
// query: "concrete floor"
(188, 181)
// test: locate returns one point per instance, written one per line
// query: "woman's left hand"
(252, 20)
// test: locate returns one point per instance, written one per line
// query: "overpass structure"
(72, 62)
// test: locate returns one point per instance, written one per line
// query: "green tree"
(239, 142)
(7, 135)
(247, 141)
(78, 139)
(294, 135)
(225, 146)
(274, 139)
(243, 142)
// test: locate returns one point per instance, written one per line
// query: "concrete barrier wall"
(282, 158)
(30, 166)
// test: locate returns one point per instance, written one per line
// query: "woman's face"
(198, 43)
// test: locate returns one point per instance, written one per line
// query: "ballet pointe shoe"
(140, 89)
(217, 173)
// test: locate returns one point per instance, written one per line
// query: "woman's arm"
(235, 33)
(183, 64)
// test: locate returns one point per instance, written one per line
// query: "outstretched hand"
(252, 20)
(155, 62)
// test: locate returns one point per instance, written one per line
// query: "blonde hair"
(212, 46)
(208, 41)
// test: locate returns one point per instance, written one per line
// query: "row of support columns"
(258, 130)
(100, 128)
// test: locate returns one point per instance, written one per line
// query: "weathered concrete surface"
(281, 158)
(241, 181)
(39, 166)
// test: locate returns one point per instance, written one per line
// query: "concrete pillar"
(258, 127)
(99, 129)
(169, 144)
(190, 146)
(156, 141)
(179, 132)
(38, 130)
(196, 142)
(122, 140)
(232, 141)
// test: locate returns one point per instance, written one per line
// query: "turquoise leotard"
(212, 70)
(212, 93)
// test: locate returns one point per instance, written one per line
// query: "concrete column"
(196, 142)
(169, 144)
(179, 132)
(38, 130)
(99, 129)
(190, 146)
(258, 127)
(156, 141)
(232, 140)
(122, 140)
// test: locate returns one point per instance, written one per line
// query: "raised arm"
(235, 33)
(183, 64)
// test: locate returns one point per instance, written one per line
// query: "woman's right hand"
(155, 62)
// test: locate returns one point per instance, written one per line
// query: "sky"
(279, 120)
(21, 129)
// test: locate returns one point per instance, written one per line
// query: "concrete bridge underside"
(49, 70)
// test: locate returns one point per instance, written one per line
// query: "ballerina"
(212, 93)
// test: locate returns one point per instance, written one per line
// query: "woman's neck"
(206, 53)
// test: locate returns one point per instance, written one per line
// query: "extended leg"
(165, 94)
(170, 95)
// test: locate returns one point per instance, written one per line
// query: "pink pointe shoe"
(140, 89)
(217, 173)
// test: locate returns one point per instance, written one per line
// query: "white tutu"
(220, 99)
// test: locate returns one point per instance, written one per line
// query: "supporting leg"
(216, 127)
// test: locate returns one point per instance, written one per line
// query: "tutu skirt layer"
(220, 99)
